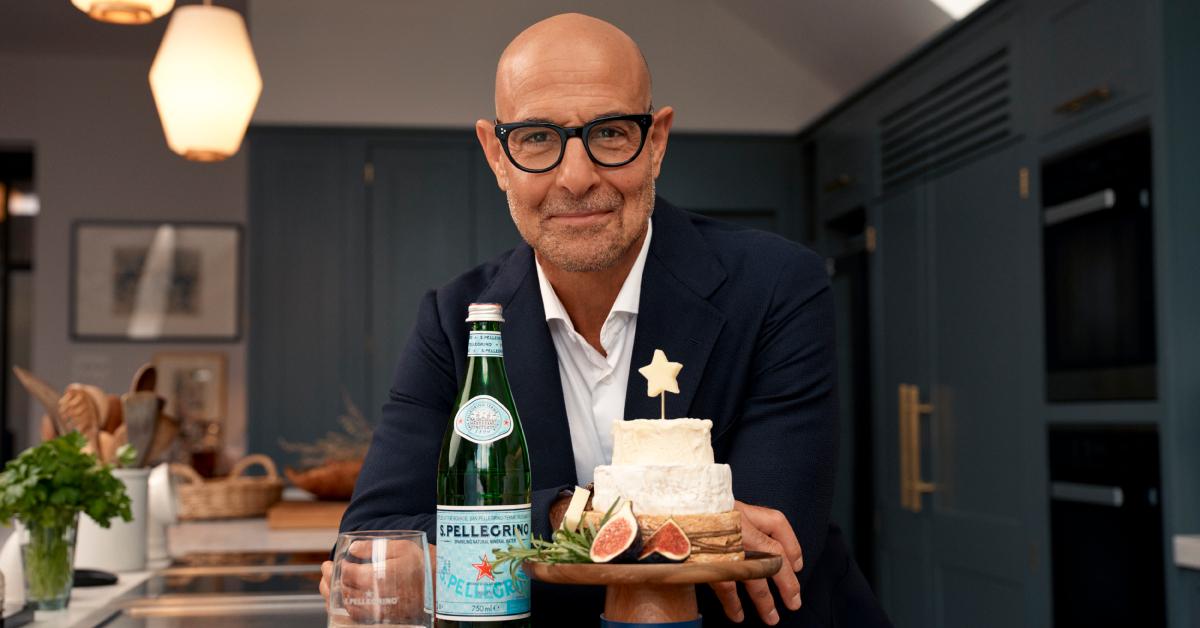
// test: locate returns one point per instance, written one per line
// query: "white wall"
(100, 154)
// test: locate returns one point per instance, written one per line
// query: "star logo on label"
(484, 568)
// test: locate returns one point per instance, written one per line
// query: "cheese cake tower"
(666, 469)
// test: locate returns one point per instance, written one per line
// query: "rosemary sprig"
(565, 547)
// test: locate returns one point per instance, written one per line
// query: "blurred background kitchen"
(1007, 194)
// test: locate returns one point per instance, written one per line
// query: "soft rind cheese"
(673, 489)
(662, 442)
(574, 512)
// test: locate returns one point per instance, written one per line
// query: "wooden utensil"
(45, 394)
(108, 448)
(78, 410)
(115, 417)
(166, 429)
(120, 437)
(145, 379)
(141, 412)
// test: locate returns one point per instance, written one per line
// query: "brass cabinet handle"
(839, 182)
(1085, 100)
(910, 411)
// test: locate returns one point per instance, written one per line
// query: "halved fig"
(668, 544)
(619, 539)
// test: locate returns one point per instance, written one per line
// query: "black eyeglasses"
(610, 141)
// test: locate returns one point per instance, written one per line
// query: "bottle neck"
(483, 341)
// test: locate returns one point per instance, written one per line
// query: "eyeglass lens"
(611, 143)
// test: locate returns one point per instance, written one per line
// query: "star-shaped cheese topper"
(660, 377)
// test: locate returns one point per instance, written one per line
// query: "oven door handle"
(1094, 494)
(1082, 206)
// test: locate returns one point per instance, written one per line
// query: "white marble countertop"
(1187, 550)
(91, 605)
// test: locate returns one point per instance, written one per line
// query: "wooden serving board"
(756, 565)
(651, 594)
(293, 515)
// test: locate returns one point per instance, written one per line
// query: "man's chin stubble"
(565, 252)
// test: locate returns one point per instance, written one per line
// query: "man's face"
(580, 216)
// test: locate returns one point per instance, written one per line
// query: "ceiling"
(726, 65)
(57, 27)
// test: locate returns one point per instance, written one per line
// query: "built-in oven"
(1106, 530)
(1098, 272)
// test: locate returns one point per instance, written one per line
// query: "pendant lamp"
(124, 11)
(205, 82)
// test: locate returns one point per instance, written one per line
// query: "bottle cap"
(481, 312)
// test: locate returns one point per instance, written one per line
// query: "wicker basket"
(230, 497)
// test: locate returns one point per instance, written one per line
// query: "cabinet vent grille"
(968, 113)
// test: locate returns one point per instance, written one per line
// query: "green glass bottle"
(483, 490)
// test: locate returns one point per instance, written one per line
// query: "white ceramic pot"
(121, 547)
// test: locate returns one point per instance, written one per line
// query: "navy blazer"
(750, 317)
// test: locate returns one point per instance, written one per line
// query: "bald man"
(607, 273)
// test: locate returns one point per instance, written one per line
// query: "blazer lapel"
(532, 366)
(673, 312)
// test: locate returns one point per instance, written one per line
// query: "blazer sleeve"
(396, 489)
(785, 445)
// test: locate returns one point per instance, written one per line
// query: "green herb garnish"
(565, 547)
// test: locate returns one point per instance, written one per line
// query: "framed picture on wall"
(193, 384)
(153, 282)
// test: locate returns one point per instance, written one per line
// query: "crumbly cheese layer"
(662, 442)
(672, 489)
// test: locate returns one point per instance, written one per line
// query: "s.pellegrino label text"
(485, 344)
(469, 584)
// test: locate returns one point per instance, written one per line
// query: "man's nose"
(577, 174)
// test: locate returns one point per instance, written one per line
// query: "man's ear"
(486, 132)
(659, 133)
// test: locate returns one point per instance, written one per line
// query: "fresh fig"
(619, 539)
(668, 544)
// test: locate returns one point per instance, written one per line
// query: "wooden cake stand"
(660, 593)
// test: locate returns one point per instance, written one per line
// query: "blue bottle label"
(483, 419)
(469, 586)
(485, 344)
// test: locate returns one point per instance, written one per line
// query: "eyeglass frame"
(565, 133)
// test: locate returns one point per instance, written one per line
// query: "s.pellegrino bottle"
(483, 490)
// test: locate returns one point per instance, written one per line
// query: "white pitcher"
(121, 547)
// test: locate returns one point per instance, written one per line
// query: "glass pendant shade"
(205, 82)
(124, 11)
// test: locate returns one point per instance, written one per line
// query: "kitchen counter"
(92, 605)
(1187, 550)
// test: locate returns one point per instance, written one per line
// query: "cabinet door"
(845, 164)
(422, 235)
(307, 302)
(1093, 55)
(983, 432)
(901, 322)
(957, 317)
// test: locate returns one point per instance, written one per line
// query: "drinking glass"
(381, 578)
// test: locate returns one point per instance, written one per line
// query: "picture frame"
(139, 281)
(193, 383)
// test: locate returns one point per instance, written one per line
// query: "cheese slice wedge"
(574, 513)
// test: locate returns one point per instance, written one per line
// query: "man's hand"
(357, 578)
(765, 530)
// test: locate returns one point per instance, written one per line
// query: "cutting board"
(292, 515)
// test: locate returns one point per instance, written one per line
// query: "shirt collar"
(627, 299)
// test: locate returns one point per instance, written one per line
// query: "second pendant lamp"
(205, 82)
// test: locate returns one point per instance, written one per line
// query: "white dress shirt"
(594, 384)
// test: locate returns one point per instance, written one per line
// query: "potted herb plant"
(45, 489)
